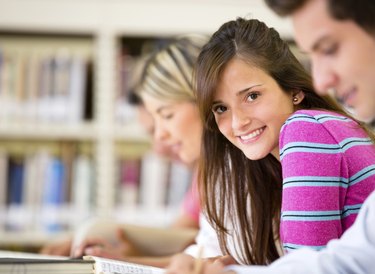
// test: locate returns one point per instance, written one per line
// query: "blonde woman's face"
(177, 125)
(159, 147)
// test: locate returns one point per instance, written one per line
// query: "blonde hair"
(168, 73)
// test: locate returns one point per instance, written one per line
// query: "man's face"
(342, 56)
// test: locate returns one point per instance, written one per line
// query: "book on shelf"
(124, 112)
(15, 185)
(180, 177)
(83, 188)
(3, 180)
(53, 195)
(154, 180)
(129, 172)
(15, 180)
(18, 262)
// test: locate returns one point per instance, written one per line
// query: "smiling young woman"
(280, 163)
(345, 65)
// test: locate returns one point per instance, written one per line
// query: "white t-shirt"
(205, 238)
(354, 252)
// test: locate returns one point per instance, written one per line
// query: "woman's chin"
(255, 156)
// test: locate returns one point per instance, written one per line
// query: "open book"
(17, 263)
(102, 265)
(151, 241)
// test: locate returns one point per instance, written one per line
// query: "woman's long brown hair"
(234, 189)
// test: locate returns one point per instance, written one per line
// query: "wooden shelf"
(31, 238)
(38, 131)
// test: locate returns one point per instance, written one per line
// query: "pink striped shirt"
(328, 165)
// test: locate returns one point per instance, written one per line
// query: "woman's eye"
(252, 96)
(219, 109)
(167, 116)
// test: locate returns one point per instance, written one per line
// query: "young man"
(339, 36)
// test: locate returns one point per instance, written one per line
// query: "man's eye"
(219, 109)
(329, 50)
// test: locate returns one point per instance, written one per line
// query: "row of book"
(128, 73)
(56, 84)
(44, 87)
(38, 191)
(151, 182)
(131, 59)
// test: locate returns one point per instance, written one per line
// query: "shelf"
(28, 238)
(161, 216)
(131, 132)
(30, 131)
(140, 216)
(96, 30)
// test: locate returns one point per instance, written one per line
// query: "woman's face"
(148, 123)
(250, 108)
(342, 56)
(177, 125)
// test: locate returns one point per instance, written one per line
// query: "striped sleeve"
(317, 177)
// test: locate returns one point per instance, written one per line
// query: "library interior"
(71, 144)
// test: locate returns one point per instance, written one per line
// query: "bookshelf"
(98, 31)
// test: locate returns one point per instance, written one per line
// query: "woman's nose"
(240, 118)
(160, 134)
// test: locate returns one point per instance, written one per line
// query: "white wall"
(141, 17)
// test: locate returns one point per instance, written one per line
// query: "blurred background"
(71, 144)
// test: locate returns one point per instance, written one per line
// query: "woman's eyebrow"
(247, 89)
(161, 108)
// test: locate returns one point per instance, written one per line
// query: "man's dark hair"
(362, 12)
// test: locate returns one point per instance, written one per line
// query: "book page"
(151, 241)
(107, 266)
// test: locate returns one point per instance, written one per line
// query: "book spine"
(129, 182)
(180, 177)
(53, 195)
(14, 219)
(154, 178)
(82, 191)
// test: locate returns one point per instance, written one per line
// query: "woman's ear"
(298, 97)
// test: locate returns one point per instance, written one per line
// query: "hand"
(57, 248)
(181, 263)
(118, 250)
(185, 264)
(225, 260)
